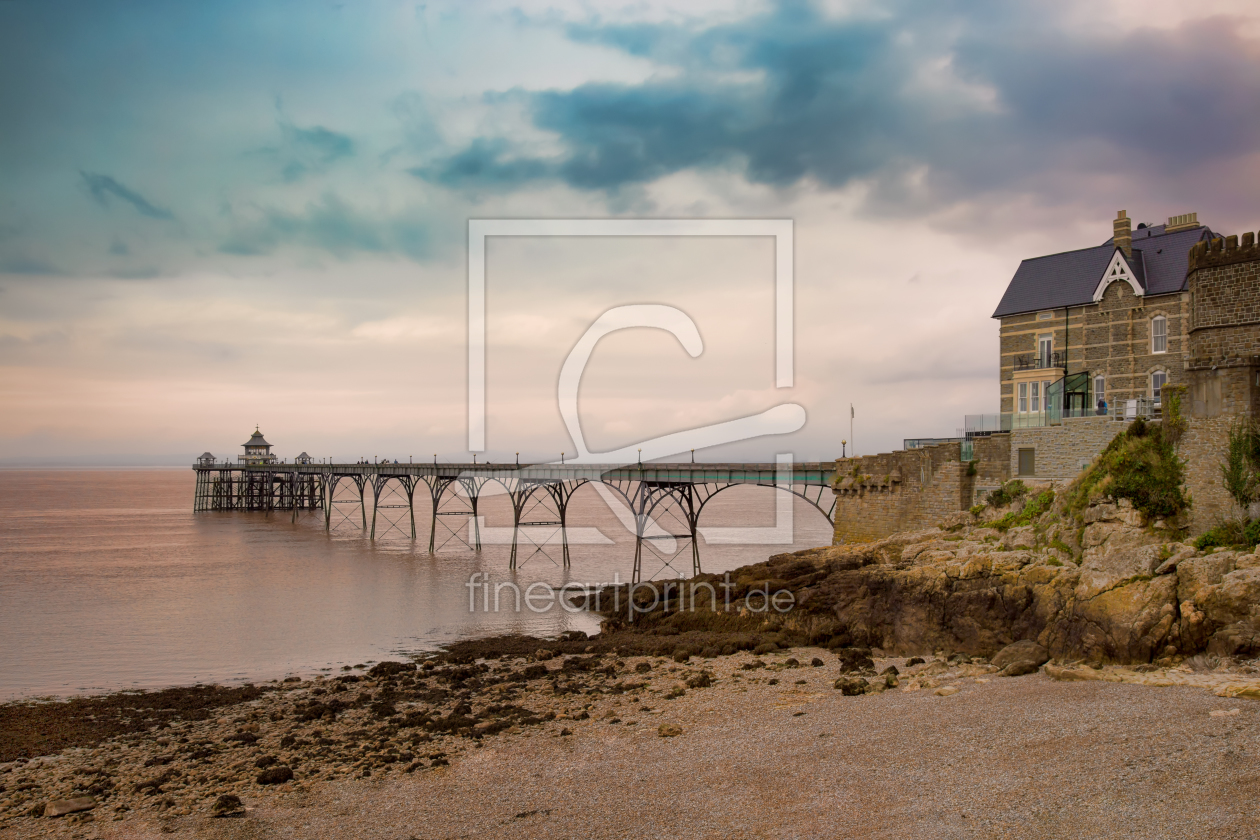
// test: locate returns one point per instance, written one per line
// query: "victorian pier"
(660, 503)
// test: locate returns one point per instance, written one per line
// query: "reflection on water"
(108, 580)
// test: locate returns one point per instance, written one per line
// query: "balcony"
(1039, 361)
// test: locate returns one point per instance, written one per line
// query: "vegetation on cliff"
(1140, 465)
(1240, 473)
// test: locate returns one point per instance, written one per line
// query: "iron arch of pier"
(558, 492)
(691, 499)
(472, 486)
(380, 485)
(645, 490)
(815, 501)
(331, 482)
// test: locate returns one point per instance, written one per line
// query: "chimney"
(1186, 221)
(1122, 233)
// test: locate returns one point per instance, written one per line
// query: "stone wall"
(879, 495)
(1224, 283)
(1203, 448)
(1222, 368)
(1061, 452)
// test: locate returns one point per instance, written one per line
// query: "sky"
(225, 214)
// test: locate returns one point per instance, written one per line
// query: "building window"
(1036, 396)
(1045, 316)
(1027, 462)
(1045, 347)
(1159, 334)
(1023, 397)
(1158, 380)
(1100, 393)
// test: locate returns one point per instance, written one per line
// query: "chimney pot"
(1186, 221)
(1122, 233)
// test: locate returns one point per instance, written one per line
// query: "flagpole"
(851, 430)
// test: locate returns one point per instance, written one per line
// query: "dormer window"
(1159, 334)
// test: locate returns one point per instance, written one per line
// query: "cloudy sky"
(225, 213)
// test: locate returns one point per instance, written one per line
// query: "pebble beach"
(606, 745)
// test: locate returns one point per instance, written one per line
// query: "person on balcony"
(1102, 407)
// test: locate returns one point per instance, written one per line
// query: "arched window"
(1159, 334)
(1158, 380)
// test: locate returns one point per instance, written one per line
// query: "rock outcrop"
(1101, 587)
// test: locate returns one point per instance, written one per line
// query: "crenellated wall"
(879, 495)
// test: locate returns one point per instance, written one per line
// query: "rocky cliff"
(1102, 588)
(1099, 585)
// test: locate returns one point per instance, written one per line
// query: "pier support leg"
(411, 506)
(376, 503)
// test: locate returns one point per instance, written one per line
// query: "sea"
(109, 580)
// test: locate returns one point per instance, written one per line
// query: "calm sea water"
(109, 581)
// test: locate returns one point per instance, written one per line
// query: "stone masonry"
(1222, 367)
(1061, 452)
(1111, 338)
(878, 495)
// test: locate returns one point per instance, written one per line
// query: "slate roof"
(256, 439)
(1159, 264)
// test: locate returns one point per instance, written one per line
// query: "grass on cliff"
(1141, 465)
(1030, 513)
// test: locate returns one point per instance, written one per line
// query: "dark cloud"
(103, 187)
(330, 225)
(26, 265)
(310, 149)
(929, 104)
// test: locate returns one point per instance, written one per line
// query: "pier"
(539, 496)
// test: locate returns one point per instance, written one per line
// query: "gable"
(1118, 270)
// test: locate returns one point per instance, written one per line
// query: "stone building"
(1163, 305)
(1102, 324)
(1159, 306)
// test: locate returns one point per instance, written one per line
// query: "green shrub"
(1141, 465)
(1251, 534)
(1232, 533)
(1240, 471)
(1007, 493)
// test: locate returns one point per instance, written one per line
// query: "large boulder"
(1128, 622)
(1231, 613)
(1121, 551)
(1019, 658)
